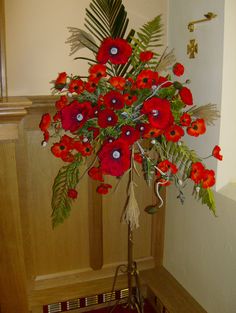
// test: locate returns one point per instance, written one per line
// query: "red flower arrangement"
(126, 111)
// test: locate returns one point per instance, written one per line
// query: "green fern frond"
(206, 196)
(106, 18)
(148, 38)
(67, 178)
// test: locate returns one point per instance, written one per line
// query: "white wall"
(200, 250)
(36, 32)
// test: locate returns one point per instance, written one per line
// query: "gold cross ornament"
(192, 48)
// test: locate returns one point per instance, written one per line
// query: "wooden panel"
(13, 295)
(3, 79)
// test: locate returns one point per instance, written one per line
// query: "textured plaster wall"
(36, 32)
(200, 250)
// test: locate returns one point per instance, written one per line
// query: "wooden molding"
(3, 77)
(12, 110)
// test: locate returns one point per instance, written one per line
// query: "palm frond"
(208, 112)
(80, 39)
(106, 18)
(167, 60)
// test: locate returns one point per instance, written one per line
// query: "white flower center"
(116, 154)
(113, 101)
(128, 132)
(85, 139)
(155, 112)
(141, 128)
(109, 118)
(114, 51)
(79, 117)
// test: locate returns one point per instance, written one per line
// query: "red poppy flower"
(138, 158)
(60, 150)
(152, 132)
(60, 82)
(61, 103)
(158, 111)
(117, 82)
(72, 193)
(84, 148)
(114, 100)
(208, 178)
(90, 86)
(75, 115)
(197, 171)
(142, 128)
(216, 153)
(115, 157)
(97, 71)
(103, 189)
(197, 128)
(107, 118)
(146, 79)
(174, 133)
(117, 51)
(146, 56)
(178, 69)
(185, 119)
(76, 85)
(96, 173)
(129, 99)
(45, 122)
(186, 96)
(130, 134)
(166, 166)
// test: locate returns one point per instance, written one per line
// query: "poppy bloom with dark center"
(117, 51)
(185, 119)
(146, 79)
(197, 128)
(62, 149)
(107, 118)
(75, 115)
(174, 133)
(130, 99)
(114, 100)
(130, 134)
(76, 85)
(117, 82)
(196, 173)
(158, 111)
(97, 71)
(115, 158)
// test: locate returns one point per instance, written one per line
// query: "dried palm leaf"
(80, 39)
(167, 59)
(208, 112)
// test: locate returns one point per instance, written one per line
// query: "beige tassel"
(131, 212)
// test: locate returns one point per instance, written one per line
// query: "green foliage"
(182, 156)
(206, 196)
(106, 18)
(67, 178)
(147, 38)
